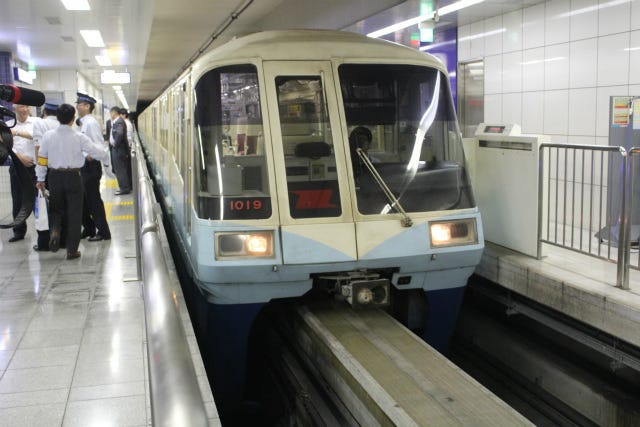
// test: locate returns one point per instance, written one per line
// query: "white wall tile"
(613, 17)
(464, 43)
(512, 37)
(533, 25)
(69, 79)
(583, 63)
(533, 69)
(512, 108)
(634, 90)
(584, 19)
(587, 140)
(493, 108)
(582, 111)
(493, 74)
(556, 66)
(635, 15)
(602, 107)
(533, 112)
(512, 72)
(602, 140)
(493, 39)
(634, 58)
(477, 43)
(557, 22)
(556, 112)
(613, 60)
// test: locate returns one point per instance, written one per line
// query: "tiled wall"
(552, 67)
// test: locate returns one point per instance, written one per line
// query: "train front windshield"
(402, 119)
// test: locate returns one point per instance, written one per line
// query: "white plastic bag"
(41, 212)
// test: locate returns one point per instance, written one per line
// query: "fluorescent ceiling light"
(116, 87)
(92, 38)
(111, 77)
(413, 21)
(76, 4)
(103, 60)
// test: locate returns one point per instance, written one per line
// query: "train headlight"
(453, 233)
(244, 245)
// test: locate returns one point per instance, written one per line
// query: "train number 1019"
(245, 205)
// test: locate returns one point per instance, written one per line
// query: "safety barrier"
(175, 395)
(579, 209)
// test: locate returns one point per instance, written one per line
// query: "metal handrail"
(175, 395)
(622, 279)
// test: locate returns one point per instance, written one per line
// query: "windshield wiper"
(395, 203)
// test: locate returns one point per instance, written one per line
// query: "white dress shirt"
(40, 127)
(91, 128)
(24, 146)
(65, 147)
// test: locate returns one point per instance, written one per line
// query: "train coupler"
(361, 290)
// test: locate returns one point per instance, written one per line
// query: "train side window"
(231, 179)
(312, 179)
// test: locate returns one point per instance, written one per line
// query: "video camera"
(16, 95)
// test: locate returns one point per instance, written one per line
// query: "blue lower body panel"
(444, 306)
(228, 328)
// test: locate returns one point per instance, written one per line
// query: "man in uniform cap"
(94, 220)
(40, 127)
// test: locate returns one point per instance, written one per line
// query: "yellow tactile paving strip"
(108, 209)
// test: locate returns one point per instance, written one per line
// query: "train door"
(315, 208)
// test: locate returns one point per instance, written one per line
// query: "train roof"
(307, 45)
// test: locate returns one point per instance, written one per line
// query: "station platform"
(578, 285)
(72, 332)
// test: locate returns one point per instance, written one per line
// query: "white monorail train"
(297, 159)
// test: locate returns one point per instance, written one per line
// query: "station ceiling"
(155, 41)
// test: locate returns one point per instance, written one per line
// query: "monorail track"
(341, 366)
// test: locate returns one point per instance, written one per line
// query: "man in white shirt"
(40, 127)
(24, 150)
(62, 153)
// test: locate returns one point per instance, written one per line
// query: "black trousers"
(122, 163)
(94, 218)
(65, 201)
(43, 235)
(16, 197)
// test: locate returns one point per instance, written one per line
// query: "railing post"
(540, 197)
(624, 224)
(135, 187)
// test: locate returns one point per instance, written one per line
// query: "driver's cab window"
(312, 179)
(403, 139)
(232, 179)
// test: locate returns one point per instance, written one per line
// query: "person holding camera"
(24, 150)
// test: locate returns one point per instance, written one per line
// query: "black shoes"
(86, 233)
(73, 255)
(98, 238)
(40, 249)
(121, 192)
(16, 238)
(54, 241)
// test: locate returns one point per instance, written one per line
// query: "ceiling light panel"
(76, 4)
(92, 38)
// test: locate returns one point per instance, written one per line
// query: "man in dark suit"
(121, 151)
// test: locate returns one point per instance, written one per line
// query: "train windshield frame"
(402, 118)
(229, 154)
